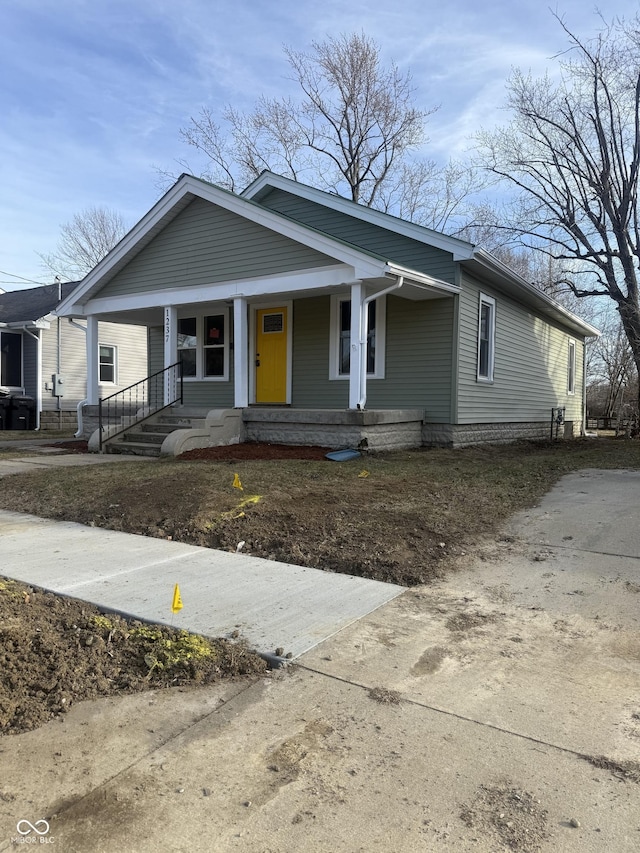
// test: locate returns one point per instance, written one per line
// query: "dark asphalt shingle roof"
(32, 304)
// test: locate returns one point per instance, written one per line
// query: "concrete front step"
(144, 437)
(133, 448)
(177, 431)
(179, 421)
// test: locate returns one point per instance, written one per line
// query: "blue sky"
(93, 93)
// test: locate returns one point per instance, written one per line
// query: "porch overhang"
(147, 307)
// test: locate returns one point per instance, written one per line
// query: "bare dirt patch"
(56, 651)
(510, 815)
(400, 517)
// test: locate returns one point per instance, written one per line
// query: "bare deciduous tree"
(84, 241)
(572, 151)
(349, 133)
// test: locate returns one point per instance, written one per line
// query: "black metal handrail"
(148, 395)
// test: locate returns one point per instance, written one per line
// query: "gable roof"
(266, 181)
(35, 303)
(368, 264)
(476, 260)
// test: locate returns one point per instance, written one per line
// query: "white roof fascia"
(460, 249)
(41, 323)
(422, 278)
(368, 265)
(491, 262)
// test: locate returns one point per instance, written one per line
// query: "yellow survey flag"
(363, 474)
(176, 604)
(236, 483)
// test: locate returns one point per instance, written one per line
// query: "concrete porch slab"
(271, 604)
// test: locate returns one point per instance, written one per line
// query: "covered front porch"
(325, 346)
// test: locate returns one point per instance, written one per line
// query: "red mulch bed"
(231, 452)
(71, 446)
(255, 450)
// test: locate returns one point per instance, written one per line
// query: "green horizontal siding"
(311, 386)
(418, 358)
(206, 244)
(372, 238)
(531, 360)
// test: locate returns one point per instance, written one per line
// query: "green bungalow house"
(298, 316)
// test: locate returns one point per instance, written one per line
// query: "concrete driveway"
(498, 709)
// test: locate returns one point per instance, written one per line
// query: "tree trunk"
(630, 316)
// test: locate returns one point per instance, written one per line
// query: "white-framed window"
(571, 368)
(486, 337)
(203, 345)
(107, 363)
(340, 338)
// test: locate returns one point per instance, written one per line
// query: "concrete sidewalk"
(272, 605)
(40, 453)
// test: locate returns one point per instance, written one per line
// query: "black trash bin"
(22, 414)
(5, 406)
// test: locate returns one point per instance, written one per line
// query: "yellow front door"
(271, 355)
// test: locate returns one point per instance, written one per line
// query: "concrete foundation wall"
(59, 420)
(462, 435)
(373, 430)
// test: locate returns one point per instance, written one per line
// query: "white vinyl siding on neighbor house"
(130, 343)
(529, 363)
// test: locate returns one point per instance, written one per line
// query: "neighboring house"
(43, 356)
(322, 321)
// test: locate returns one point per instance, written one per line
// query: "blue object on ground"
(342, 455)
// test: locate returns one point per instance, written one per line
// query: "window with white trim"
(571, 368)
(340, 355)
(486, 338)
(203, 345)
(107, 363)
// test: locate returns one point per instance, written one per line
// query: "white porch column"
(240, 353)
(170, 351)
(92, 361)
(357, 295)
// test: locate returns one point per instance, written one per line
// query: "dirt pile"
(56, 651)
